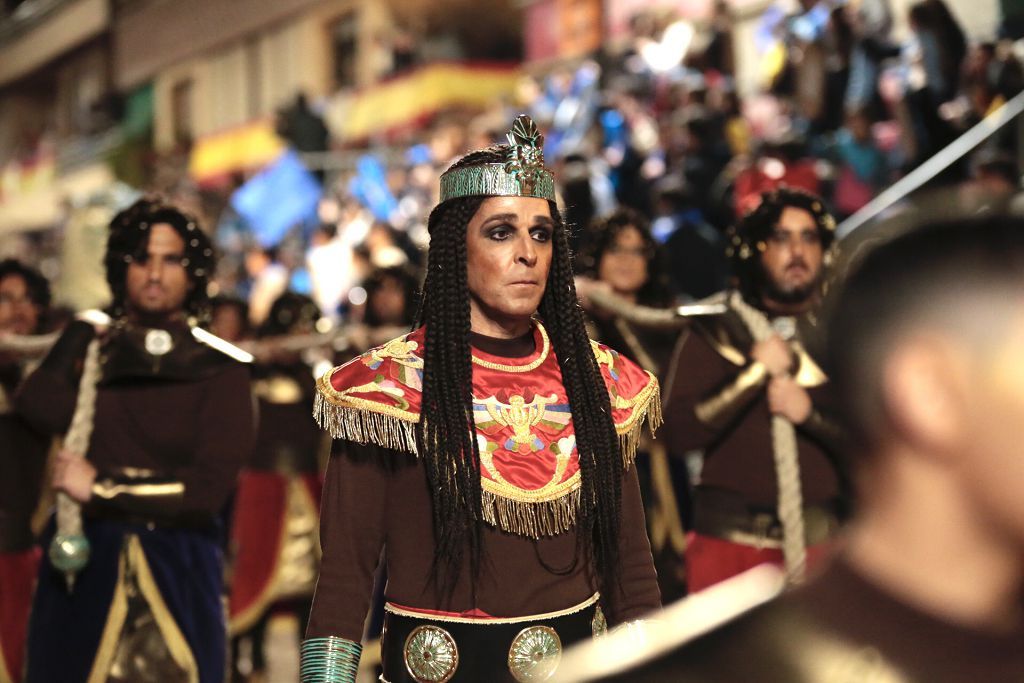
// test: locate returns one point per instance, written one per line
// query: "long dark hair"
(656, 291)
(748, 237)
(129, 238)
(445, 434)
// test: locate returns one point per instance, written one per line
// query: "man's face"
(508, 255)
(18, 313)
(157, 283)
(792, 258)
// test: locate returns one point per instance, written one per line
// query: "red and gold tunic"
(377, 497)
(529, 466)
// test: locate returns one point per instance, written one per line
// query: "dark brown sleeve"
(226, 436)
(46, 399)
(705, 393)
(352, 532)
(638, 588)
(822, 425)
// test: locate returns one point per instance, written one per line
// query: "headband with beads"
(521, 175)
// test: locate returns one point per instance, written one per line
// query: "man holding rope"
(742, 388)
(923, 346)
(157, 426)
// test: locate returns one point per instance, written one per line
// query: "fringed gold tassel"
(364, 426)
(630, 439)
(535, 520)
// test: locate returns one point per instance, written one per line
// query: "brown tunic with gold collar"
(378, 499)
(716, 401)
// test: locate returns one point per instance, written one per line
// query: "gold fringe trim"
(534, 520)
(364, 426)
(629, 438)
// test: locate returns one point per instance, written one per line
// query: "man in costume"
(743, 389)
(511, 536)
(277, 506)
(24, 299)
(923, 346)
(157, 426)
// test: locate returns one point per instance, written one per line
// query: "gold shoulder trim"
(809, 374)
(714, 330)
(363, 421)
(646, 404)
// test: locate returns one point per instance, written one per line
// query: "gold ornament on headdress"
(521, 175)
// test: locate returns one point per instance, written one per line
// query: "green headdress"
(522, 175)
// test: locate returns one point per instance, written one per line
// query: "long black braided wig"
(445, 435)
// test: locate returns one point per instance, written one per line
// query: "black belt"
(420, 648)
(198, 522)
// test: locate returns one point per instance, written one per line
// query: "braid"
(446, 430)
(596, 441)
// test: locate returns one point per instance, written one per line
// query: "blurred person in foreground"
(24, 300)
(740, 381)
(488, 453)
(923, 342)
(275, 555)
(156, 427)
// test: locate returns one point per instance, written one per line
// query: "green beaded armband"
(329, 660)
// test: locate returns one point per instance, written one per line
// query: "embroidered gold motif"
(380, 412)
(502, 487)
(400, 350)
(519, 415)
(603, 355)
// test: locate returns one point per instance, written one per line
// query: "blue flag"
(278, 198)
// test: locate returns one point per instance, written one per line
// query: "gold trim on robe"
(530, 477)
(133, 559)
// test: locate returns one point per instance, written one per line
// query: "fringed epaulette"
(634, 394)
(375, 398)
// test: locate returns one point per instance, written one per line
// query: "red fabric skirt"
(710, 560)
(17, 583)
(257, 525)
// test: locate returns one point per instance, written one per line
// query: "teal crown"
(522, 175)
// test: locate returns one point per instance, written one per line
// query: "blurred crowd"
(845, 110)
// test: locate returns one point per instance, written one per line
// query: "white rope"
(69, 511)
(790, 505)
